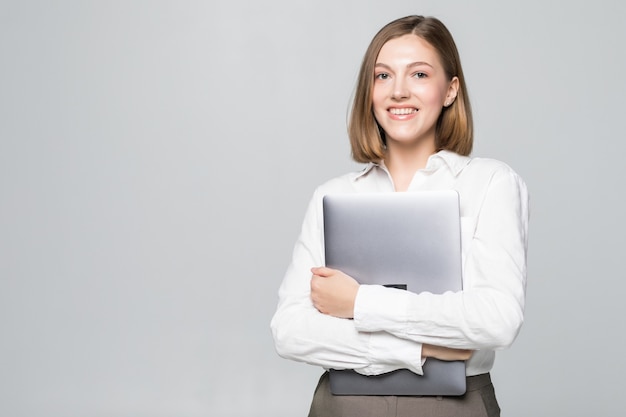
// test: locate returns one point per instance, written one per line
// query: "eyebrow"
(411, 65)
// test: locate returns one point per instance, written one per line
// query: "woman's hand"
(333, 292)
(445, 354)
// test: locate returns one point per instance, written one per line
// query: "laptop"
(408, 240)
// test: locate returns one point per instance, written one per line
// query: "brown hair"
(454, 129)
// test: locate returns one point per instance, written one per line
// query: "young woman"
(411, 123)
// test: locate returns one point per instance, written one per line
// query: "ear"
(453, 89)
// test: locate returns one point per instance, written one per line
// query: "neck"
(403, 162)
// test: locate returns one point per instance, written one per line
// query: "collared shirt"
(390, 326)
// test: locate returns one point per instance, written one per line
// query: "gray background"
(156, 159)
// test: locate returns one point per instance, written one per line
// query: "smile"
(403, 111)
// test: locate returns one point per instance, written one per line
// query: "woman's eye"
(420, 75)
(382, 76)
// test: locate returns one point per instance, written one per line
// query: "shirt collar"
(454, 161)
(370, 166)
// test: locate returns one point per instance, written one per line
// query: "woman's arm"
(445, 354)
(302, 333)
(488, 313)
(333, 293)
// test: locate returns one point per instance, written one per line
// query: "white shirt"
(389, 325)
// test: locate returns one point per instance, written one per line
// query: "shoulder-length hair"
(454, 130)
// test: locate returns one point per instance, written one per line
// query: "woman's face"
(410, 90)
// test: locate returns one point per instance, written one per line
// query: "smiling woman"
(429, 50)
(411, 87)
(411, 123)
(409, 78)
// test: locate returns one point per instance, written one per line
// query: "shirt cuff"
(377, 308)
(389, 353)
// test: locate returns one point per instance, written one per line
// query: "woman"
(411, 123)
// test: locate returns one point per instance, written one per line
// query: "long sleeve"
(304, 334)
(488, 313)
(390, 325)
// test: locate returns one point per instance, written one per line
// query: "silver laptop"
(411, 241)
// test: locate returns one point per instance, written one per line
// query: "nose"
(400, 90)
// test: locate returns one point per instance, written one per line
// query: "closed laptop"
(409, 240)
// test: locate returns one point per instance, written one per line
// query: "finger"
(322, 271)
(317, 283)
(314, 282)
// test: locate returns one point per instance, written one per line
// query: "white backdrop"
(156, 158)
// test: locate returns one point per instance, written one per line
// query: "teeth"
(402, 111)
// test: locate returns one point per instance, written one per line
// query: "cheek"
(378, 102)
(431, 96)
(378, 96)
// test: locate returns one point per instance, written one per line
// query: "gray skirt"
(478, 401)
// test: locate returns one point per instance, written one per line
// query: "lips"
(402, 111)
